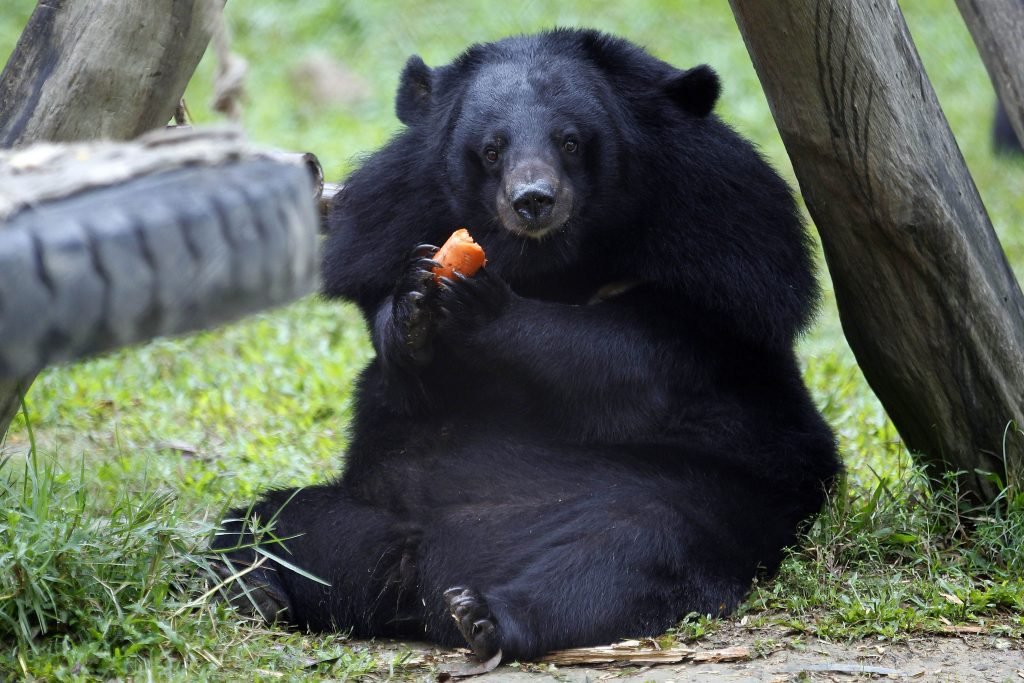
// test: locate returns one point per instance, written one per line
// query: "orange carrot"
(459, 254)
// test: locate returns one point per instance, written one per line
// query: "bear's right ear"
(413, 101)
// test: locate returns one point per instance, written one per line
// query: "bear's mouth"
(534, 209)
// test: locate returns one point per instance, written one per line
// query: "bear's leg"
(365, 553)
(573, 574)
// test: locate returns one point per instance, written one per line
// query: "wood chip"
(975, 630)
(727, 654)
(635, 652)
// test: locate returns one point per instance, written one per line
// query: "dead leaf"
(183, 447)
(471, 668)
(952, 599)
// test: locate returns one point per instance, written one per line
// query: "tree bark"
(11, 391)
(97, 69)
(100, 69)
(927, 300)
(997, 27)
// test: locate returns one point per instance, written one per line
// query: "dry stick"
(926, 297)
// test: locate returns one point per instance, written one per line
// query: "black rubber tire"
(158, 255)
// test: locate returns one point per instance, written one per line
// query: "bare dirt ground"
(776, 657)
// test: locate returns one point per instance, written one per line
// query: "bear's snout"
(534, 200)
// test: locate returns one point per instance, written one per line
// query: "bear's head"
(578, 159)
(538, 131)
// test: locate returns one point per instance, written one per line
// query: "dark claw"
(482, 627)
(426, 266)
(423, 250)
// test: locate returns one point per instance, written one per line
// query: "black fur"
(554, 461)
(1004, 139)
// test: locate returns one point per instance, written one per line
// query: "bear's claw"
(468, 302)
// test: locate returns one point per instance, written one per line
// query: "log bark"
(93, 69)
(47, 172)
(927, 300)
(997, 27)
(11, 391)
(100, 69)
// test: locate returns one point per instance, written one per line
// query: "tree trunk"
(101, 69)
(997, 27)
(11, 391)
(91, 69)
(927, 300)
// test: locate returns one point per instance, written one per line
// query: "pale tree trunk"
(927, 300)
(98, 69)
(997, 27)
(101, 69)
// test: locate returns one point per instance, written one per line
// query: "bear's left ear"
(695, 90)
(415, 86)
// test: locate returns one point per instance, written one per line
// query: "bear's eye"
(491, 155)
(570, 145)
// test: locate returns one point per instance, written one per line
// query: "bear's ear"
(413, 101)
(695, 90)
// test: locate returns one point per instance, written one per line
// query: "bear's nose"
(534, 203)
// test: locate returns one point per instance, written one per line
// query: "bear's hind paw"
(474, 620)
(257, 594)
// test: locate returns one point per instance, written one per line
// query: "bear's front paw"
(410, 327)
(469, 302)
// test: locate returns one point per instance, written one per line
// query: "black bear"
(606, 427)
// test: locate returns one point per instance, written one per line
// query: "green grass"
(139, 452)
(898, 559)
